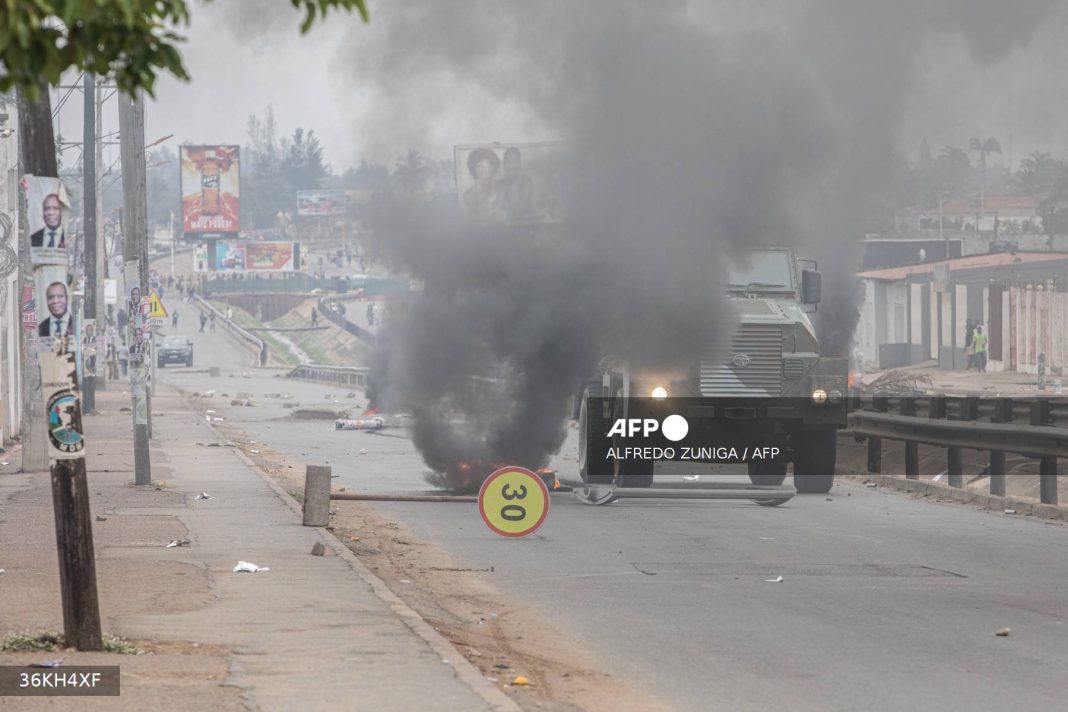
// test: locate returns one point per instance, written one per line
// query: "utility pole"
(90, 232)
(135, 235)
(37, 155)
(101, 255)
(70, 487)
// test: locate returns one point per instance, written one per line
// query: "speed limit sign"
(513, 501)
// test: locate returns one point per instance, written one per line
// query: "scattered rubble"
(318, 549)
(250, 567)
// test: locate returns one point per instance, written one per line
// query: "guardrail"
(341, 375)
(243, 334)
(1026, 427)
(328, 310)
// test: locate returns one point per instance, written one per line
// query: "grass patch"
(22, 642)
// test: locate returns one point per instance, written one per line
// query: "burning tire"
(814, 460)
(765, 472)
(591, 427)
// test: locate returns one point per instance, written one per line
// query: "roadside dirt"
(504, 639)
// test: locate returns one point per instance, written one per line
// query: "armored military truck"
(769, 385)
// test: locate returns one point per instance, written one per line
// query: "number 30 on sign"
(513, 501)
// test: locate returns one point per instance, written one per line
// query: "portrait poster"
(139, 388)
(54, 306)
(48, 215)
(211, 194)
(200, 257)
(272, 256)
(510, 183)
(59, 386)
(229, 257)
(133, 299)
(320, 202)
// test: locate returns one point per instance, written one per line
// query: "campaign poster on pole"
(59, 386)
(55, 318)
(211, 193)
(47, 215)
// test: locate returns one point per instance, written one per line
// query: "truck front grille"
(793, 368)
(752, 367)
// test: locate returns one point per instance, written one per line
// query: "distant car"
(175, 349)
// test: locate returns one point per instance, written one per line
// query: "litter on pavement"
(249, 567)
(178, 542)
(359, 424)
(777, 579)
(203, 495)
(48, 663)
(1003, 632)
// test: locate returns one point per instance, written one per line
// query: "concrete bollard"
(317, 495)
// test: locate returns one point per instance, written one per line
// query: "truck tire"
(591, 427)
(633, 473)
(814, 460)
(764, 472)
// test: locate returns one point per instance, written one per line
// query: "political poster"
(272, 256)
(47, 214)
(510, 183)
(55, 318)
(229, 257)
(320, 202)
(59, 386)
(211, 195)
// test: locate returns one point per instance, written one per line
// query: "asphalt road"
(886, 602)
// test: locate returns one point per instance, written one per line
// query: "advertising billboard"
(272, 256)
(229, 257)
(211, 195)
(512, 183)
(320, 202)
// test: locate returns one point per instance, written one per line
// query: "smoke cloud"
(683, 143)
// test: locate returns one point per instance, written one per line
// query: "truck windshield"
(760, 270)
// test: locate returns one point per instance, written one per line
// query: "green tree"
(412, 172)
(1054, 207)
(134, 40)
(302, 164)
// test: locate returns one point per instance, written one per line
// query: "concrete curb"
(464, 670)
(986, 501)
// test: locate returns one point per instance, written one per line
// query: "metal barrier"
(341, 375)
(247, 336)
(957, 423)
(327, 309)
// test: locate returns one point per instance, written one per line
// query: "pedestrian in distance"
(370, 314)
(969, 344)
(263, 355)
(212, 320)
(174, 319)
(229, 313)
(203, 321)
(980, 341)
(315, 317)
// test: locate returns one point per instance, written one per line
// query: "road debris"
(691, 478)
(1003, 632)
(254, 452)
(1010, 511)
(48, 663)
(520, 680)
(100, 518)
(318, 549)
(777, 579)
(359, 424)
(250, 567)
(178, 542)
(203, 495)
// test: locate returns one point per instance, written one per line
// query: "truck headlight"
(835, 396)
(819, 396)
(659, 393)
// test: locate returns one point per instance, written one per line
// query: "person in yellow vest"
(979, 341)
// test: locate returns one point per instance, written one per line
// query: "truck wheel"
(634, 474)
(591, 427)
(764, 472)
(814, 460)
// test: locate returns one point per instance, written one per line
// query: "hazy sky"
(247, 54)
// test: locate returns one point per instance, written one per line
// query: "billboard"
(513, 183)
(211, 195)
(320, 202)
(272, 256)
(229, 257)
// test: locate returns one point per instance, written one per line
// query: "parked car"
(175, 349)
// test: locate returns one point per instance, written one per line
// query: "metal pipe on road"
(402, 497)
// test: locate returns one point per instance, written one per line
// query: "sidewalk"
(313, 633)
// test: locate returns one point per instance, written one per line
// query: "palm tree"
(411, 172)
(1054, 208)
(983, 148)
